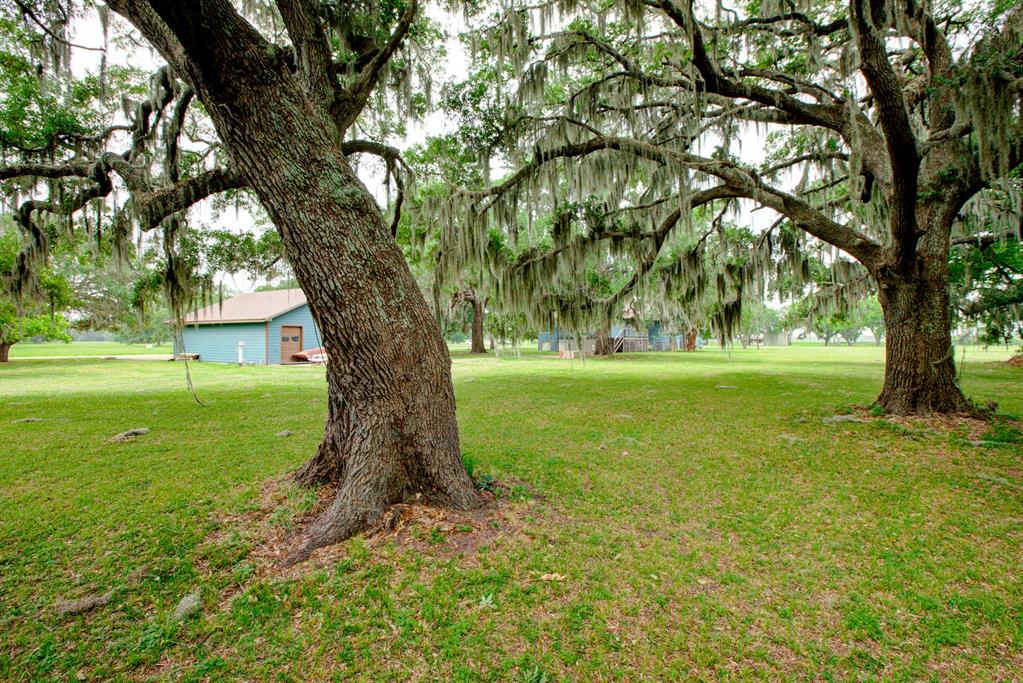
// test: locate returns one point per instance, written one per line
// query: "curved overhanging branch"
(393, 161)
(629, 68)
(151, 208)
(716, 81)
(728, 88)
(771, 23)
(150, 205)
(370, 147)
(27, 10)
(81, 168)
(740, 181)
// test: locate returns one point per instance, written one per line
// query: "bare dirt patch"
(969, 426)
(285, 511)
(1016, 361)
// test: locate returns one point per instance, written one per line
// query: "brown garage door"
(291, 341)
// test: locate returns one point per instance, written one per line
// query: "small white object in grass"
(726, 386)
(284, 432)
(188, 605)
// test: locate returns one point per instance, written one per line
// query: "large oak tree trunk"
(5, 352)
(391, 432)
(478, 342)
(603, 345)
(919, 375)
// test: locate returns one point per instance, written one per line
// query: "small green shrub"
(483, 482)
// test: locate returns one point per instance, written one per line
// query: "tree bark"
(391, 432)
(690, 340)
(5, 352)
(919, 375)
(478, 345)
(603, 344)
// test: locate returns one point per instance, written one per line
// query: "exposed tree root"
(945, 402)
(343, 518)
(360, 503)
(278, 531)
(971, 424)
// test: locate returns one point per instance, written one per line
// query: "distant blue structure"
(261, 328)
(625, 338)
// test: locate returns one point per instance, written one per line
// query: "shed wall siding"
(301, 316)
(219, 343)
(655, 339)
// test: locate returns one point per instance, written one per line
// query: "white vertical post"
(241, 353)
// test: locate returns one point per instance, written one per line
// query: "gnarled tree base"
(934, 398)
(919, 373)
(603, 345)
(373, 474)
(413, 526)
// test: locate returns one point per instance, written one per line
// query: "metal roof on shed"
(256, 307)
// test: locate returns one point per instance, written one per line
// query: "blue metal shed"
(625, 338)
(261, 328)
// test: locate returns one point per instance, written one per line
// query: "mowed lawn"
(678, 530)
(86, 348)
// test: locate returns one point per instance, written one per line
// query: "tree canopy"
(890, 132)
(870, 137)
(40, 318)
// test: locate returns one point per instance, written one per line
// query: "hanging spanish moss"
(628, 159)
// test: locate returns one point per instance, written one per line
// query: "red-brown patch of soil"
(411, 525)
(967, 424)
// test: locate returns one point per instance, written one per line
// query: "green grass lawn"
(86, 348)
(702, 532)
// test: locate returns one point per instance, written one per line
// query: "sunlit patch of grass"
(685, 531)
